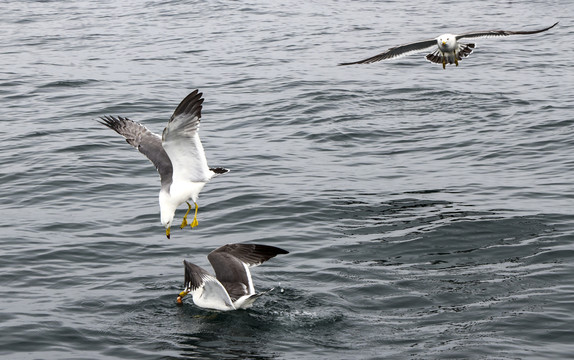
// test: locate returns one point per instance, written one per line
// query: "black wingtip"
(191, 104)
(254, 254)
(267, 250)
(279, 251)
(112, 122)
(106, 120)
(550, 27)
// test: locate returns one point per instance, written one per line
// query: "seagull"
(449, 49)
(177, 155)
(232, 287)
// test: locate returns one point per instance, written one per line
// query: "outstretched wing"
(250, 254)
(193, 276)
(181, 141)
(231, 264)
(491, 33)
(397, 51)
(145, 141)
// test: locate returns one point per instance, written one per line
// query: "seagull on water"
(232, 286)
(448, 48)
(177, 155)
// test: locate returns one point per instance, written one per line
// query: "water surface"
(428, 212)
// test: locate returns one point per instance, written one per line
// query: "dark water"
(429, 213)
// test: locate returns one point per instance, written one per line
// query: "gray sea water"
(428, 213)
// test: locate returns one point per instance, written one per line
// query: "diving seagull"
(448, 48)
(232, 286)
(177, 155)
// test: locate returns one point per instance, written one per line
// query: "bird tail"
(219, 170)
(435, 57)
(250, 300)
(462, 51)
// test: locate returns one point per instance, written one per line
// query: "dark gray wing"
(231, 273)
(397, 51)
(491, 33)
(231, 264)
(145, 141)
(194, 274)
(251, 254)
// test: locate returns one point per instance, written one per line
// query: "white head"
(167, 211)
(446, 42)
(167, 223)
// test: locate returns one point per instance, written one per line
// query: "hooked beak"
(167, 232)
(180, 297)
(444, 43)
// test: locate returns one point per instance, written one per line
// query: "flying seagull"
(232, 287)
(448, 48)
(177, 155)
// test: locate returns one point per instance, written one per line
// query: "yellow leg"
(443, 62)
(184, 223)
(194, 222)
(455, 60)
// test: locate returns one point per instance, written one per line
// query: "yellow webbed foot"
(184, 222)
(194, 222)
